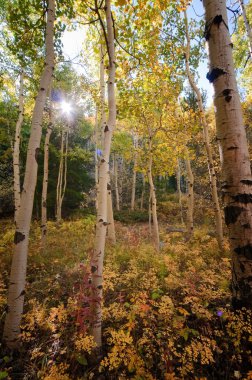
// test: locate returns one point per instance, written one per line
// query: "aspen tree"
(19, 261)
(178, 176)
(235, 162)
(102, 217)
(247, 26)
(153, 200)
(133, 192)
(62, 176)
(111, 224)
(212, 174)
(116, 183)
(190, 197)
(45, 176)
(16, 148)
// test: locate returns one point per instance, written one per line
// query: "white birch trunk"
(16, 149)
(247, 26)
(19, 261)
(190, 199)
(45, 177)
(212, 174)
(235, 162)
(102, 221)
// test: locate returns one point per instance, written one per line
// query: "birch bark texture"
(16, 289)
(16, 148)
(102, 214)
(210, 162)
(235, 162)
(133, 191)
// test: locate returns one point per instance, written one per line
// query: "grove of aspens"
(126, 189)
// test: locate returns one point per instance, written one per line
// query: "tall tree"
(212, 174)
(102, 213)
(247, 26)
(231, 135)
(19, 262)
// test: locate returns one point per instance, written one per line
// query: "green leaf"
(82, 360)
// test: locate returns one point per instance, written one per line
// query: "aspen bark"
(62, 176)
(19, 261)
(247, 26)
(179, 191)
(16, 149)
(210, 162)
(45, 177)
(111, 223)
(190, 198)
(153, 200)
(235, 162)
(96, 160)
(133, 192)
(102, 218)
(142, 195)
(116, 184)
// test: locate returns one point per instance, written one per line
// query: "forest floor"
(166, 315)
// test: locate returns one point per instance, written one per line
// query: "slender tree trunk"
(153, 199)
(62, 176)
(212, 174)
(248, 27)
(142, 195)
(101, 225)
(236, 171)
(16, 149)
(111, 223)
(133, 192)
(19, 261)
(60, 179)
(96, 160)
(190, 198)
(45, 177)
(120, 187)
(116, 184)
(179, 191)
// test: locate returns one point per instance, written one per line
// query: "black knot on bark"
(18, 237)
(217, 19)
(215, 73)
(232, 213)
(106, 129)
(245, 251)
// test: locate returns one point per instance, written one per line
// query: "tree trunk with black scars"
(210, 162)
(110, 215)
(102, 214)
(96, 137)
(153, 200)
(235, 163)
(247, 26)
(16, 289)
(16, 148)
(45, 176)
(111, 223)
(190, 198)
